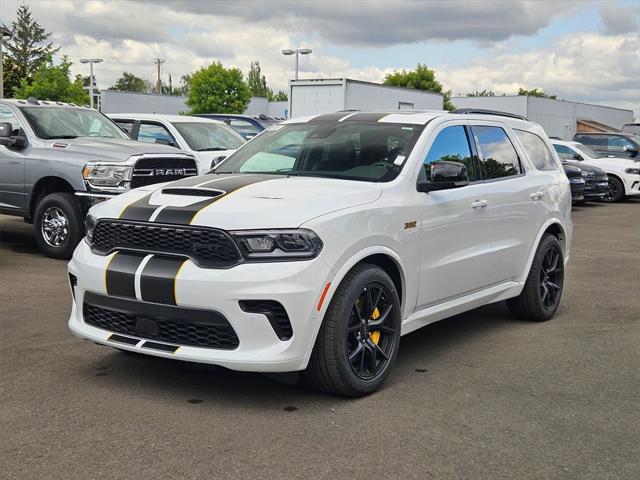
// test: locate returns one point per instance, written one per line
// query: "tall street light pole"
(4, 33)
(91, 61)
(296, 52)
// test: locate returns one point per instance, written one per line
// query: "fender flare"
(543, 229)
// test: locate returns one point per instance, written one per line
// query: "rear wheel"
(359, 338)
(58, 225)
(542, 291)
(615, 192)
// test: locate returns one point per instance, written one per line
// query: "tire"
(616, 191)
(346, 333)
(61, 214)
(542, 292)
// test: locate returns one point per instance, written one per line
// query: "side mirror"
(164, 141)
(445, 176)
(5, 130)
(8, 140)
(578, 157)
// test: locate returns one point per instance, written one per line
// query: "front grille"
(148, 171)
(275, 313)
(207, 247)
(166, 330)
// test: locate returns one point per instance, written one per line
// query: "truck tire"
(542, 290)
(359, 338)
(59, 225)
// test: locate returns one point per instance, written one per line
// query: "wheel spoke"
(377, 348)
(359, 350)
(381, 319)
(368, 304)
(553, 286)
(545, 294)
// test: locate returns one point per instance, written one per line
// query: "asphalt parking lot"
(475, 396)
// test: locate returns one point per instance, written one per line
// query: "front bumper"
(596, 189)
(577, 189)
(632, 185)
(297, 286)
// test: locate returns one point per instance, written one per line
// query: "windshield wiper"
(61, 137)
(210, 149)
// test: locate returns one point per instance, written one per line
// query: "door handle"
(479, 204)
(536, 195)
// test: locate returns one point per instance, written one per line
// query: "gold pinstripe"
(175, 282)
(220, 199)
(113, 255)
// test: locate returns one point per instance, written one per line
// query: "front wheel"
(615, 192)
(58, 224)
(358, 341)
(542, 291)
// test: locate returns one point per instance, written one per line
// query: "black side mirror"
(444, 176)
(631, 151)
(9, 140)
(578, 157)
(5, 129)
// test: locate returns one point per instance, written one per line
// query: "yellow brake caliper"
(375, 336)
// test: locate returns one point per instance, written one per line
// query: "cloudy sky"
(587, 51)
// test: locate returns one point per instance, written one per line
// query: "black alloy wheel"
(615, 191)
(370, 337)
(551, 278)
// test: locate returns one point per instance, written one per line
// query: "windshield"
(373, 152)
(587, 151)
(62, 122)
(209, 136)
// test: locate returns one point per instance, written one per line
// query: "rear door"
(515, 202)
(12, 168)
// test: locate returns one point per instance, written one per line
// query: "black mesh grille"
(171, 331)
(148, 171)
(275, 313)
(206, 246)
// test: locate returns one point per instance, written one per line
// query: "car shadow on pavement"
(17, 236)
(200, 383)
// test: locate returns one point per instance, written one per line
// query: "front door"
(12, 165)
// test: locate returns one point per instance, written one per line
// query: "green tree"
(11, 75)
(422, 78)
(483, 93)
(257, 82)
(215, 89)
(53, 82)
(28, 47)
(128, 82)
(279, 96)
(536, 92)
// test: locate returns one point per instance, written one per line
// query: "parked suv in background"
(209, 141)
(321, 241)
(623, 174)
(632, 128)
(611, 144)
(245, 125)
(57, 159)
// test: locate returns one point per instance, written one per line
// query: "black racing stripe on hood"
(142, 211)
(157, 279)
(120, 274)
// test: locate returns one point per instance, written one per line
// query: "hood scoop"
(193, 192)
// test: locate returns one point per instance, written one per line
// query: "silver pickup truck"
(57, 159)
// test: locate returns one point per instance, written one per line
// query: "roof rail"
(466, 111)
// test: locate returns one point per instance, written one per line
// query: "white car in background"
(623, 173)
(209, 141)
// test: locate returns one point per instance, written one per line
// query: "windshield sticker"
(399, 160)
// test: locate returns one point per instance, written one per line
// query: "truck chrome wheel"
(54, 226)
(551, 278)
(371, 332)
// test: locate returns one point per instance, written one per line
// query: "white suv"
(320, 242)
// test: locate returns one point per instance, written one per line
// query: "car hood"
(612, 163)
(589, 168)
(109, 149)
(239, 201)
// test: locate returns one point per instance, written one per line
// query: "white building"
(559, 118)
(327, 95)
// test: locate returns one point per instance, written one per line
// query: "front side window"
(372, 152)
(58, 122)
(564, 152)
(620, 144)
(451, 145)
(155, 133)
(587, 151)
(208, 136)
(499, 158)
(537, 150)
(7, 116)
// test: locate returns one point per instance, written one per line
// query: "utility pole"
(91, 61)
(158, 62)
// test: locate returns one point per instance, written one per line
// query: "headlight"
(576, 180)
(588, 174)
(297, 244)
(100, 175)
(89, 226)
(633, 171)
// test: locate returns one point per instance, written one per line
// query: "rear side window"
(451, 145)
(537, 150)
(499, 158)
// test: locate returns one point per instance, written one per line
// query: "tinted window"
(372, 152)
(499, 158)
(243, 126)
(126, 125)
(451, 145)
(151, 132)
(620, 144)
(591, 140)
(537, 150)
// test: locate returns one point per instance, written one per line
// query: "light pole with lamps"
(91, 61)
(296, 52)
(4, 33)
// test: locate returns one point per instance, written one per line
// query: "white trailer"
(559, 118)
(327, 95)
